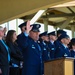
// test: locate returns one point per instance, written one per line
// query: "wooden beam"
(65, 24)
(71, 10)
(27, 17)
(72, 29)
(59, 15)
(45, 21)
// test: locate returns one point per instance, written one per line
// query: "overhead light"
(37, 16)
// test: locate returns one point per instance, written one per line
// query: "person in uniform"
(72, 47)
(4, 55)
(59, 32)
(32, 52)
(22, 28)
(63, 50)
(72, 50)
(43, 40)
(16, 55)
(51, 45)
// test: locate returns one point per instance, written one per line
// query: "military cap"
(35, 27)
(61, 32)
(73, 40)
(52, 33)
(23, 24)
(63, 36)
(43, 34)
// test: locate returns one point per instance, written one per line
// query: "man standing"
(43, 40)
(63, 50)
(31, 50)
(59, 32)
(51, 45)
(23, 29)
(4, 55)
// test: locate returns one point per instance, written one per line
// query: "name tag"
(52, 48)
(65, 55)
(44, 49)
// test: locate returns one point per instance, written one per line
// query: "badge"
(33, 46)
(65, 55)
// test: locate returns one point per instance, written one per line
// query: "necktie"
(38, 46)
(6, 49)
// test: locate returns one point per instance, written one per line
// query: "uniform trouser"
(5, 70)
(14, 71)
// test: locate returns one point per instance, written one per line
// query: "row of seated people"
(30, 49)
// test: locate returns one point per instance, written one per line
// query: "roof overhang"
(11, 9)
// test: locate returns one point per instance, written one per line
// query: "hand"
(0, 71)
(28, 27)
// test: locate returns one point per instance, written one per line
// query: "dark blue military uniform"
(44, 49)
(62, 50)
(32, 54)
(57, 43)
(72, 53)
(52, 50)
(51, 46)
(59, 32)
(43, 45)
(44, 53)
(71, 44)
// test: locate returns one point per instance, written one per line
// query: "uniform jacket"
(52, 49)
(61, 51)
(72, 53)
(32, 55)
(44, 48)
(57, 43)
(30, 50)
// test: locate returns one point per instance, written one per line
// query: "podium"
(61, 66)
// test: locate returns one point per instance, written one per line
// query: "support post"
(45, 21)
